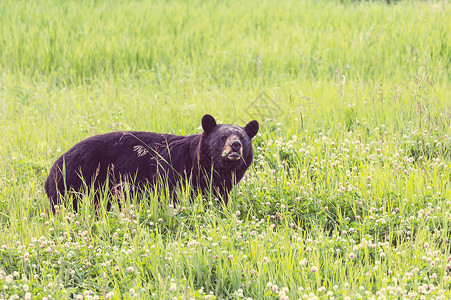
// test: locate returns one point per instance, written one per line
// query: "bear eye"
(224, 138)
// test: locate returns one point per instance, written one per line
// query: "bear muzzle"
(233, 150)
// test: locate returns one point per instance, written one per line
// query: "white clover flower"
(173, 287)
(9, 279)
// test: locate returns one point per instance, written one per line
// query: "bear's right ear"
(208, 123)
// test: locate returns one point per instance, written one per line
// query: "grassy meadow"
(349, 194)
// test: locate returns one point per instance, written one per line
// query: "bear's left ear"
(208, 123)
(251, 128)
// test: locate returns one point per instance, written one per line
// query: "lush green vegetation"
(349, 196)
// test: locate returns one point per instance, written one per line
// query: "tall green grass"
(282, 41)
(349, 192)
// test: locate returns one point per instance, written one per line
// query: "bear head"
(228, 146)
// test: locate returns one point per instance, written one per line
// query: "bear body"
(213, 160)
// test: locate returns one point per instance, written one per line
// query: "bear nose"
(236, 145)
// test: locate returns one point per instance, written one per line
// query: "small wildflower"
(282, 296)
(109, 295)
(173, 287)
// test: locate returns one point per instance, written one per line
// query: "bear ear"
(251, 128)
(208, 123)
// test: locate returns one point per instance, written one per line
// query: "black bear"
(210, 161)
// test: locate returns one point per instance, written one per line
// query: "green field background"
(352, 159)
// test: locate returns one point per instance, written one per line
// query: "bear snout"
(233, 149)
(236, 146)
